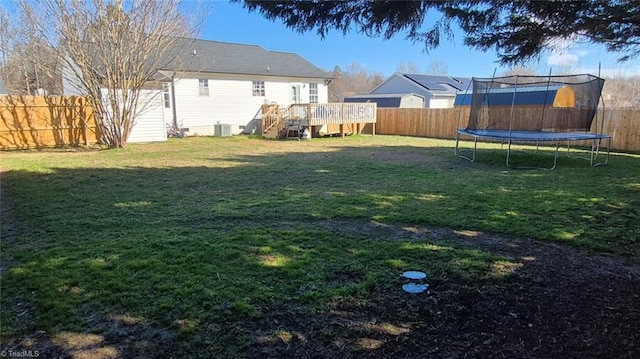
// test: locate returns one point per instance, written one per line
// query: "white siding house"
(226, 83)
(211, 82)
(437, 91)
(231, 100)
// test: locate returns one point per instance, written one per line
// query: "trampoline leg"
(597, 151)
(459, 152)
(508, 151)
(475, 149)
(555, 157)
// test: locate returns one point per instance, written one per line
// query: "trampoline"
(546, 110)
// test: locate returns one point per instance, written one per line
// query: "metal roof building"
(410, 100)
(506, 96)
(437, 91)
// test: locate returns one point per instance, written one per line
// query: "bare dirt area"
(556, 302)
(560, 303)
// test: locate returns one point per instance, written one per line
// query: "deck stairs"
(279, 122)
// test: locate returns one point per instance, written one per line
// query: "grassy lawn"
(198, 242)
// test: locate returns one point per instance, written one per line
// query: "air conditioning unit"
(222, 130)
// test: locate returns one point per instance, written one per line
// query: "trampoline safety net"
(533, 103)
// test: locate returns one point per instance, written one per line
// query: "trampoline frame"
(512, 135)
(534, 136)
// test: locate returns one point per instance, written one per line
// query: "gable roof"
(195, 55)
(439, 83)
(435, 85)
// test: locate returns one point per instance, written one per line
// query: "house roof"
(436, 85)
(195, 55)
(384, 95)
(439, 84)
(382, 100)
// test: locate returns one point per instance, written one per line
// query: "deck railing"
(275, 118)
(335, 113)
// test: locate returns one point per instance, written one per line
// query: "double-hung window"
(258, 88)
(203, 87)
(313, 93)
(166, 94)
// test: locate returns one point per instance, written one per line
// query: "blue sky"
(231, 23)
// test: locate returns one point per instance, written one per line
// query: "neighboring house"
(408, 100)
(437, 91)
(213, 82)
(3, 90)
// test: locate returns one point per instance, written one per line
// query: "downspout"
(173, 100)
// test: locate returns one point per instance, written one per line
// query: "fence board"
(622, 124)
(45, 121)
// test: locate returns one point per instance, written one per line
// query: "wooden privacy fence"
(622, 124)
(46, 121)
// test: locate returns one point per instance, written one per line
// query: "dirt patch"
(555, 302)
(558, 302)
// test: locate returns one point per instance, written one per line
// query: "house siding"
(440, 102)
(231, 101)
(394, 85)
(71, 84)
(412, 101)
(150, 125)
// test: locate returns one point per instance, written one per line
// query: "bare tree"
(111, 52)
(520, 70)
(354, 80)
(438, 68)
(4, 42)
(408, 67)
(622, 91)
(26, 61)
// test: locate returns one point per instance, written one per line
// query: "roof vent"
(194, 52)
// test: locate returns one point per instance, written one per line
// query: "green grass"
(194, 231)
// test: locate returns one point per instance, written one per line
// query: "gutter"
(173, 100)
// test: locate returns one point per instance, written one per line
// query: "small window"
(203, 87)
(258, 88)
(166, 95)
(313, 93)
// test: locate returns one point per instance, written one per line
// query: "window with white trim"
(166, 94)
(313, 93)
(203, 87)
(258, 88)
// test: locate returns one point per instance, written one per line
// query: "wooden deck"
(321, 118)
